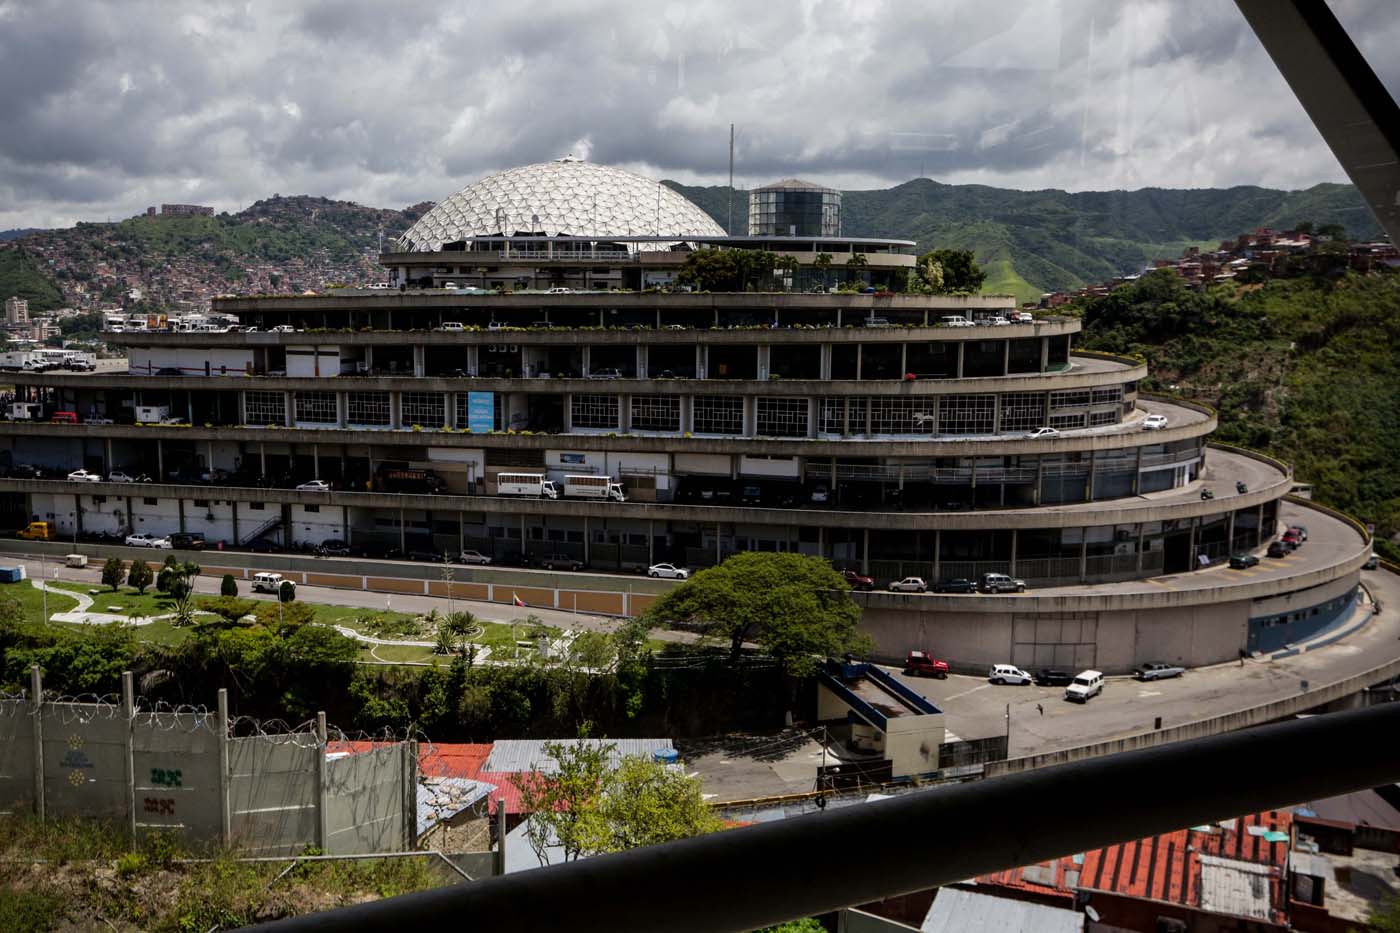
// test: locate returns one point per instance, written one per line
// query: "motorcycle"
(1207, 494)
(1241, 488)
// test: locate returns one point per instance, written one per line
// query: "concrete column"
(403, 540)
(129, 759)
(461, 532)
(859, 359)
(395, 409)
(718, 550)
(865, 551)
(702, 359)
(160, 461)
(825, 364)
(587, 544)
(687, 404)
(234, 505)
(449, 408)
(316, 461)
(322, 822)
(289, 409)
(1093, 472)
(1139, 548)
(242, 408)
(262, 457)
(1195, 522)
(1137, 472)
(107, 449)
(1083, 554)
(345, 523)
(903, 359)
(643, 361)
(869, 417)
(1014, 536)
(420, 363)
(1039, 479)
(180, 505)
(587, 359)
(1044, 353)
(962, 346)
(812, 417)
(765, 358)
(937, 553)
(624, 413)
(36, 710)
(568, 413)
(1005, 357)
(342, 407)
(225, 809)
(651, 536)
(750, 415)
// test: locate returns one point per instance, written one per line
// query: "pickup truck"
(924, 664)
(1157, 670)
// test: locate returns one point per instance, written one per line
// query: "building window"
(149, 501)
(201, 503)
(1022, 411)
(719, 414)
(1067, 422)
(1098, 418)
(311, 508)
(98, 500)
(594, 411)
(1070, 398)
(265, 407)
(316, 407)
(255, 506)
(782, 417)
(421, 408)
(368, 408)
(967, 414)
(656, 413)
(1109, 396)
(902, 415)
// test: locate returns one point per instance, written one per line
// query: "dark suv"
(187, 541)
(561, 562)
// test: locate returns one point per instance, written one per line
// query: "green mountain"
(1037, 241)
(22, 276)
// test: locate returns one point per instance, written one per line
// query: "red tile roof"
(1160, 868)
(454, 760)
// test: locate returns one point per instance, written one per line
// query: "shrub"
(228, 586)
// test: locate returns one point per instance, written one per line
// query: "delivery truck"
(593, 487)
(533, 485)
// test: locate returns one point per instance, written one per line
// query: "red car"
(925, 665)
(1292, 538)
(856, 581)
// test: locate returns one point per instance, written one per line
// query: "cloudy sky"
(108, 107)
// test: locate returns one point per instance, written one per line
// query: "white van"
(267, 583)
(1086, 684)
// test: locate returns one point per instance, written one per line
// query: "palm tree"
(854, 265)
(821, 264)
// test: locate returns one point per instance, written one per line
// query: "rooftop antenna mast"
(729, 227)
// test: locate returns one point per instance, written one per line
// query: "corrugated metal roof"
(1239, 889)
(443, 798)
(957, 911)
(513, 756)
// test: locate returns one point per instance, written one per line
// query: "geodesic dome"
(563, 198)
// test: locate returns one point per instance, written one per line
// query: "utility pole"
(729, 227)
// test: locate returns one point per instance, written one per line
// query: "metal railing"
(758, 875)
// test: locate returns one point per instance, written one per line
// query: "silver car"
(1157, 670)
(668, 572)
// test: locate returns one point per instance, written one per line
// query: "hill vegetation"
(1307, 369)
(21, 276)
(1037, 241)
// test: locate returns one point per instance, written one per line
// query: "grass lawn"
(31, 600)
(125, 601)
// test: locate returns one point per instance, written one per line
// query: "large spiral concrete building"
(896, 435)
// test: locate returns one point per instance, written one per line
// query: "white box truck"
(24, 411)
(17, 360)
(533, 485)
(152, 414)
(593, 487)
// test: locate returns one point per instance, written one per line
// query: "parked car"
(605, 373)
(1001, 583)
(187, 540)
(121, 476)
(282, 329)
(857, 581)
(1157, 670)
(1243, 561)
(1278, 549)
(1292, 539)
(333, 547)
(146, 539)
(1372, 562)
(1301, 530)
(1154, 422)
(668, 572)
(1086, 684)
(454, 326)
(820, 495)
(924, 664)
(1043, 432)
(1008, 674)
(314, 485)
(959, 585)
(561, 562)
(425, 553)
(170, 371)
(1049, 677)
(264, 546)
(83, 476)
(909, 585)
(473, 557)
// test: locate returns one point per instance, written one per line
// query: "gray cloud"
(110, 107)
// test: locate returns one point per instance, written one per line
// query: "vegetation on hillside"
(1053, 239)
(1307, 369)
(22, 276)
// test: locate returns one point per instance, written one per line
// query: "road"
(977, 709)
(398, 602)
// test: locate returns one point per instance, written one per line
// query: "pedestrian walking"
(1041, 708)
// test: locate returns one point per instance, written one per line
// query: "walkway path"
(83, 616)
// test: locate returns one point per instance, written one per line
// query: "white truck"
(17, 360)
(152, 414)
(534, 485)
(593, 487)
(24, 411)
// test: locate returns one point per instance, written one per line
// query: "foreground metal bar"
(1345, 100)
(751, 877)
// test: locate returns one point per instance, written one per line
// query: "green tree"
(958, 271)
(113, 573)
(822, 265)
(228, 586)
(795, 607)
(139, 576)
(286, 592)
(805, 925)
(855, 266)
(1332, 232)
(1385, 916)
(564, 806)
(179, 586)
(230, 608)
(168, 571)
(645, 804)
(710, 270)
(788, 265)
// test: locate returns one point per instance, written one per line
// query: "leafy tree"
(230, 608)
(176, 580)
(929, 277)
(1303, 226)
(1332, 232)
(797, 608)
(228, 586)
(821, 264)
(959, 271)
(805, 925)
(589, 807)
(167, 572)
(113, 573)
(855, 266)
(788, 265)
(139, 576)
(286, 592)
(726, 270)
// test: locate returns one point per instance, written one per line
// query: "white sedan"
(83, 476)
(314, 485)
(1154, 422)
(146, 539)
(1044, 432)
(909, 585)
(668, 572)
